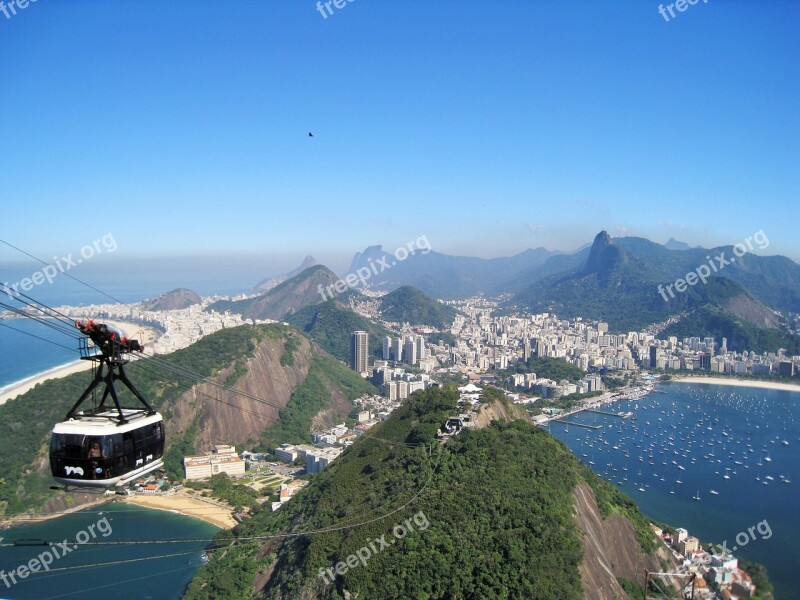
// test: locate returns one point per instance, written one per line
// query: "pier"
(577, 424)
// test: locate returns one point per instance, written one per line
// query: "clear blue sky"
(490, 127)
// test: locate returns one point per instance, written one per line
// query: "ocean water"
(22, 355)
(130, 280)
(704, 433)
(148, 571)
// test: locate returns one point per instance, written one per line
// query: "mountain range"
(448, 277)
(771, 280)
(629, 282)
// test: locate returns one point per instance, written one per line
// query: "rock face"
(610, 545)
(238, 419)
(175, 300)
(498, 411)
(611, 549)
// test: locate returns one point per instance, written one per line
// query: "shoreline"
(17, 388)
(752, 383)
(176, 503)
(187, 506)
(24, 519)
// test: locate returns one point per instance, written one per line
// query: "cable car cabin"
(106, 445)
(97, 451)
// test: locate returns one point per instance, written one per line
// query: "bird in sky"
(310, 134)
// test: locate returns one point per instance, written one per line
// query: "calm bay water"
(150, 575)
(696, 435)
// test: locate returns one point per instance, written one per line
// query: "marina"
(716, 459)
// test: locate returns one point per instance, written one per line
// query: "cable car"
(107, 444)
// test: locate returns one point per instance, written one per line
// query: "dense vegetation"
(758, 573)
(443, 337)
(330, 325)
(497, 502)
(546, 367)
(224, 488)
(311, 397)
(408, 304)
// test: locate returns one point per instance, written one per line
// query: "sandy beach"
(192, 506)
(146, 335)
(18, 388)
(753, 383)
(210, 511)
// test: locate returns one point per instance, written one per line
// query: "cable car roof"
(104, 423)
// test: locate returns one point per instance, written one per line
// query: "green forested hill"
(330, 324)
(285, 299)
(498, 503)
(311, 397)
(408, 304)
(619, 283)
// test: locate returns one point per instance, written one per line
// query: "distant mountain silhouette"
(284, 299)
(173, 300)
(271, 282)
(444, 276)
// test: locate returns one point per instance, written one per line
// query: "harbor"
(716, 459)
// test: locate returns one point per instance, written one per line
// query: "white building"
(317, 460)
(223, 460)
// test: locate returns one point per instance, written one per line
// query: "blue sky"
(490, 127)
